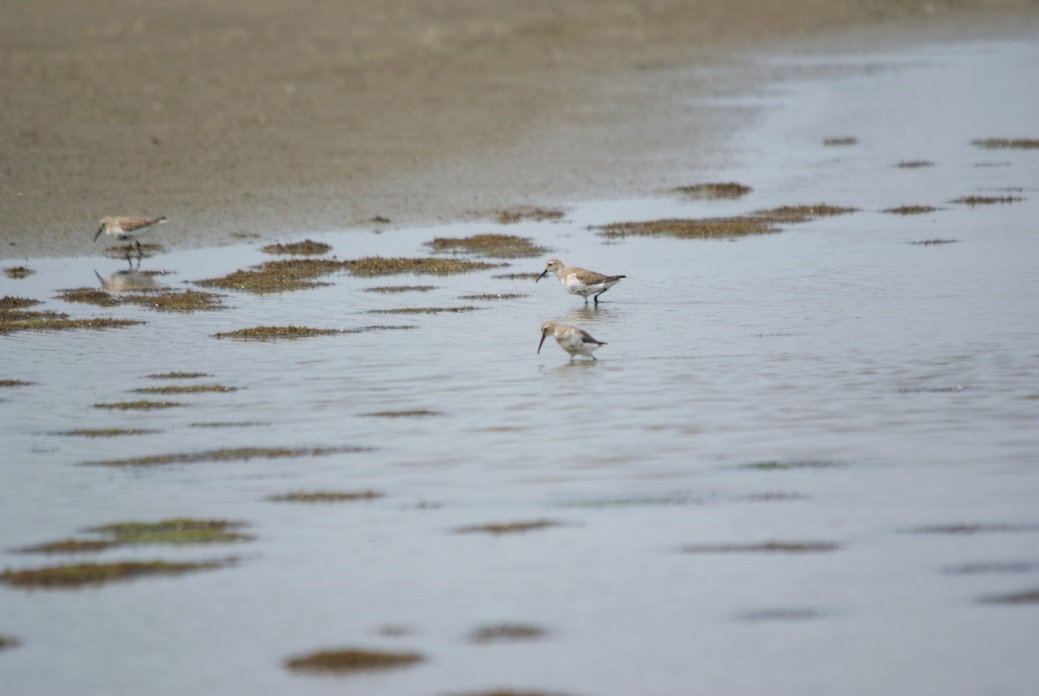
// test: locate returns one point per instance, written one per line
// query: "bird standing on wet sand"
(573, 340)
(127, 228)
(578, 281)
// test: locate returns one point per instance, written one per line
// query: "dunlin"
(578, 281)
(573, 340)
(127, 228)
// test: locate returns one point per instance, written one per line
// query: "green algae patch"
(106, 432)
(514, 215)
(305, 248)
(178, 375)
(502, 246)
(934, 242)
(692, 228)
(378, 266)
(85, 574)
(70, 546)
(425, 310)
(802, 213)
(986, 200)
(9, 303)
(177, 531)
(226, 455)
(767, 547)
(278, 276)
(18, 272)
(271, 333)
(7, 383)
(352, 660)
(324, 496)
(505, 633)
(911, 210)
(509, 527)
(841, 141)
(490, 296)
(914, 164)
(414, 413)
(179, 389)
(142, 405)
(1007, 143)
(727, 190)
(392, 289)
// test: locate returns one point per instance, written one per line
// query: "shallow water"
(895, 385)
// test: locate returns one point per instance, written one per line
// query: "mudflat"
(274, 116)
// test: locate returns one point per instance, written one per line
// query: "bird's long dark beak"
(543, 334)
(543, 274)
(99, 231)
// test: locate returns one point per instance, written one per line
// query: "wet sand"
(270, 117)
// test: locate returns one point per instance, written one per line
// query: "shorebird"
(572, 339)
(578, 281)
(127, 228)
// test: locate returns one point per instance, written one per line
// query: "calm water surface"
(907, 374)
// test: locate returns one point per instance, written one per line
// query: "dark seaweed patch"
(715, 190)
(986, 200)
(81, 574)
(377, 266)
(305, 248)
(517, 276)
(18, 272)
(7, 383)
(413, 413)
(270, 333)
(783, 614)
(178, 375)
(70, 546)
(494, 296)
(177, 531)
(388, 289)
(968, 529)
(911, 210)
(914, 164)
(840, 141)
(992, 568)
(509, 527)
(1029, 597)
(142, 405)
(225, 455)
(179, 389)
(1007, 143)
(424, 310)
(934, 242)
(505, 632)
(778, 465)
(106, 432)
(352, 660)
(767, 547)
(513, 215)
(502, 246)
(324, 496)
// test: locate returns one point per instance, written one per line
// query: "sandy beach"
(270, 117)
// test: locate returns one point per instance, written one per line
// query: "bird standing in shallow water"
(578, 281)
(572, 339)
(127, 228)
